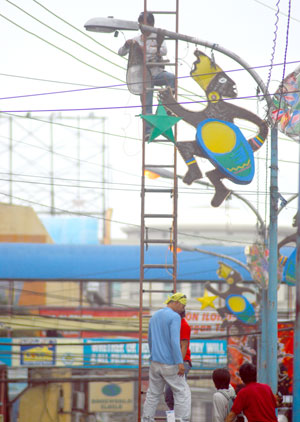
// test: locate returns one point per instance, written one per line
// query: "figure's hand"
(207, 284)
(181, 369)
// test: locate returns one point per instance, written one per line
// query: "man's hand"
(230, 417)
(181, 369)
(279, 399)
(128, 43)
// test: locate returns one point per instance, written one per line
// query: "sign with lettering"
(112, 397)
(113, 353)
(206, 321)
(208, 354)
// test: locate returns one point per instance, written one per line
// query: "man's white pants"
(159, 375)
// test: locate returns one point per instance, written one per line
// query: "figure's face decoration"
(212, 79)
(223, 85)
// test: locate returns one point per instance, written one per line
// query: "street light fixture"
(110, 24)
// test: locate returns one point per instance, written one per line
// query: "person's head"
(221, 378)
(177, 302)
(239, 387)
(149, 19)
(248, 372)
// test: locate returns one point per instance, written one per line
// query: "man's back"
(257, 402)
(164, 337)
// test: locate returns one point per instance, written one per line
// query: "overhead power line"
(60, 49)
(65, 36)
(78, 30)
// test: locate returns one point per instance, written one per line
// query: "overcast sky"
(245, 27)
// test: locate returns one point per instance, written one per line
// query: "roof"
(21, 261)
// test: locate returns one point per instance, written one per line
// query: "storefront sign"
(111, 397)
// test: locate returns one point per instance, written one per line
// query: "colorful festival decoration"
(207, 300)
(236, 303)
(286, 109)
(289, 262)
(161, 123)
(241, 307)
(289, 273)
(218, 139)
(258, 263)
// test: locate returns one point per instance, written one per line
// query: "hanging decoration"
(217, 137)
(236, 303)
(258, 263)
(161, 123)
(286, 109)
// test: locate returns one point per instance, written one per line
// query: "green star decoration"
(161, 123)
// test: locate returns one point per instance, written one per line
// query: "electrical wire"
(272, 8)
(65, 36)
(60, 49)
(78, 30)
(91, 88)
(205, 101)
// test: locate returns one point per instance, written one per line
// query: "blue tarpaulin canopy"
(24, 261)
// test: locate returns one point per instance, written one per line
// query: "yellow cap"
(177, 297)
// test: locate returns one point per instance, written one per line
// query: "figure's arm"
(170, 103)
(214, 291)
(257, 141)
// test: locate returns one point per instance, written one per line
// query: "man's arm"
(230, 417)
(125, 48)
(183, 346)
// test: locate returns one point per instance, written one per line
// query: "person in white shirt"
(155, 49)
(224, 396)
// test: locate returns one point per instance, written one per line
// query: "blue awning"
(24, 261)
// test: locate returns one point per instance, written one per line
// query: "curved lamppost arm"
(236, 261)
(233, 56)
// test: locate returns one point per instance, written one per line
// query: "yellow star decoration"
(207, 300)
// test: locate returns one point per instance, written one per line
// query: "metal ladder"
(147, 241)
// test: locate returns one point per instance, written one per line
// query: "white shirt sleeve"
(219, 407)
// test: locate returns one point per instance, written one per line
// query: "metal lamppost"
(268, 349)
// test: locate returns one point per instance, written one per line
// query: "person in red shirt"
(185, 337)
(255, 400)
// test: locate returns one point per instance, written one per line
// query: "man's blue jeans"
(162, 79)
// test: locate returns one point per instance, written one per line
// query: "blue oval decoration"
(244, 312)
(111, 390)
(226, 147)
(289, 271)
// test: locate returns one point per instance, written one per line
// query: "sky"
(41, 63)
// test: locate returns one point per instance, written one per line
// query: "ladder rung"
(158, 291)
(161, 140)
(159, 241)
(159, 166)
(158, 266)
(158, 216)
(162, 12)
(154, 190)
(160, 63)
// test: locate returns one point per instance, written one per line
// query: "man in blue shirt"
(166, 360)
